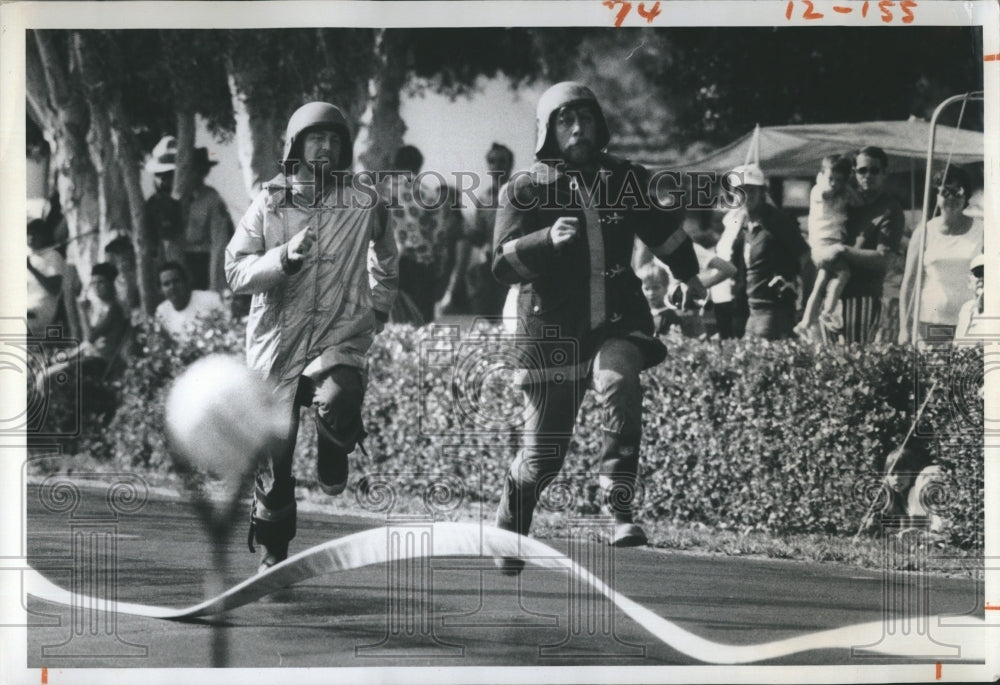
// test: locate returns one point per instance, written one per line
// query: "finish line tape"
(889, 637)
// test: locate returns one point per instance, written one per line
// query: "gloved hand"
(782, 285)
(677, 295)
(688, 295)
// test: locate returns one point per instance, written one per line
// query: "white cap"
(975, 206)
(164, 156)
(747, 175)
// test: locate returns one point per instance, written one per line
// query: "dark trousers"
(549, 428)
(198, 266)
(336, 397)
(485, 294)
(419, 282)
(724, 319)
(771, 321)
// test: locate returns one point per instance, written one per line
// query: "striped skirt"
(862, 318)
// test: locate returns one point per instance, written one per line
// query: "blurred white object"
(219, 416)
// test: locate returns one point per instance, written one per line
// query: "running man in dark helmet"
(564, 235)
(302, 251)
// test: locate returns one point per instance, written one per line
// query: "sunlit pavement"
(446, 612)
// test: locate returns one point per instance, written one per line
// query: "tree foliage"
(670, 87)
(721, 81)
(450, 60)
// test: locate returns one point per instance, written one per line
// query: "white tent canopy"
(789, 151)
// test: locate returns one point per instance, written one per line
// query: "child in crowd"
(828, 204)
(121, 254)
(104, 321)
(972, 326)
(655, 280)
(105, 326)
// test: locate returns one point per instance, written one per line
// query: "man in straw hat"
(564, 235)
(302, 251)
(207, 229)
(163, 212)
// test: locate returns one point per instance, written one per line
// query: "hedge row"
(779, 437)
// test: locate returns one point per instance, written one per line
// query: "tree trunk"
(348, 67)
(258, 144)
(111, 201)
(96, 68)
(60, 110)
(184, 175)
(382, 127)
(128, 163)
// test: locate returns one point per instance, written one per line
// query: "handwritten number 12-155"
(809, 11)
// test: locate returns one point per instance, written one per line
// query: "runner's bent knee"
(337, 399)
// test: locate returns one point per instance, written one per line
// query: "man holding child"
(874, 230)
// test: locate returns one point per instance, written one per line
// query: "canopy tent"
(788, 151)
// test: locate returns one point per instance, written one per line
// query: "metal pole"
(913, 183)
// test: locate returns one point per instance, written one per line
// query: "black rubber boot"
(272, 523)
(272, 556)
(332, 470)
(620, 464)
(514, 513)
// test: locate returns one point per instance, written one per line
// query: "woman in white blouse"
(951, 239)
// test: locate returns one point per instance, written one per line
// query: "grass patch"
(866, 552)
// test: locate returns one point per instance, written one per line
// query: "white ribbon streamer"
(891, 637)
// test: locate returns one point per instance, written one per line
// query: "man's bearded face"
(576, 133)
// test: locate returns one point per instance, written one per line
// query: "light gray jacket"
(308, 317)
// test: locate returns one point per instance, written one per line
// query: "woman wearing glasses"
(950, 241)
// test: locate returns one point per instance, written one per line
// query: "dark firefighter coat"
(572, 299)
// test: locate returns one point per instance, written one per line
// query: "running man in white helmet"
(302, 251)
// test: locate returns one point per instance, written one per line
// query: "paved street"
(467, 614)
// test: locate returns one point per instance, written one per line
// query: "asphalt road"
(471, 615)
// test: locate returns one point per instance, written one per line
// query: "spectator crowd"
(827, 286)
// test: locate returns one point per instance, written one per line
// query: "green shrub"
(740, 435)
(136, 436)
(784, 438)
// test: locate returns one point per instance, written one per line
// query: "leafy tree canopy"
(719, 82)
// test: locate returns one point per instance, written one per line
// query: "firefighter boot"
(514, 514)
(272, 522)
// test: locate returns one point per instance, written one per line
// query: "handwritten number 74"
(625, 7)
